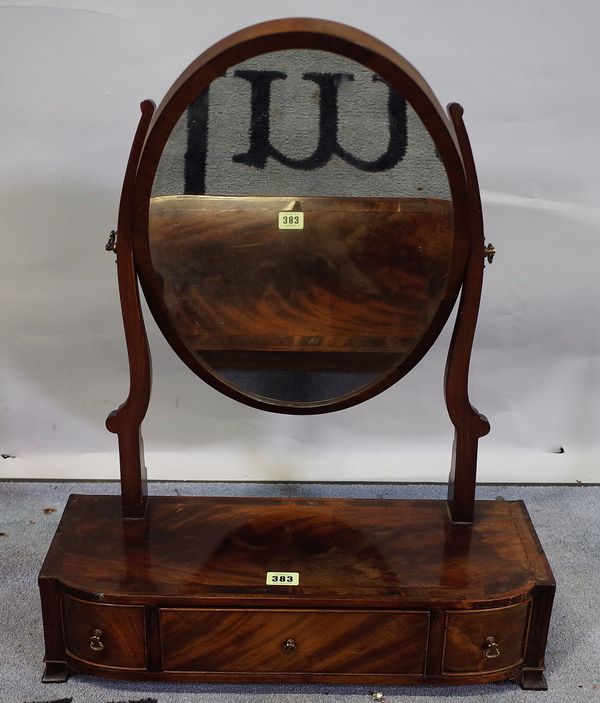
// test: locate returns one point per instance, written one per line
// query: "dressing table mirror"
(301, 215)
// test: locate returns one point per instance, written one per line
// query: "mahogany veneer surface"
(123, 630)
(364, 275)
(160, 585)
(466, 630)
(385, 642)
(375, 551)
(389, 591)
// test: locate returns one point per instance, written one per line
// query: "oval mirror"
(298, 227)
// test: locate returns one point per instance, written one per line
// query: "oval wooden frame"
(466, 270)
(296, 34)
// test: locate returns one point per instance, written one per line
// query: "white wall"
(73, 74)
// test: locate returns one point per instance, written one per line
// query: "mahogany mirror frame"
(465, 273)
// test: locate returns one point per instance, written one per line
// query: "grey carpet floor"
(567, 520)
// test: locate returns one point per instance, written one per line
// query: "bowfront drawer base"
(323, 645)
(370, 605)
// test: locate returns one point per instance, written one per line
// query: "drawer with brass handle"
(485, 640)
(105, 635)
(315, 641)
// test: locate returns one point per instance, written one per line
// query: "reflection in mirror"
(300, 227)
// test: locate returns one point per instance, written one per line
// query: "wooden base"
(55, 672)
(389, 592)
(532, 680)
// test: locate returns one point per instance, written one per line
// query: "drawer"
(122, 642)
(335, 642)
(468, 647)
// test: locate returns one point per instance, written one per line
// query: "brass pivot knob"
(289, 645)
(489, 252)
(96, 643)
(491, 649)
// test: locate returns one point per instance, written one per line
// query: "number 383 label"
(283, 578)
(291, 220)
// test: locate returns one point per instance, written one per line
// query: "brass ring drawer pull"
(491, 649)
(96, 643)
(289, 645)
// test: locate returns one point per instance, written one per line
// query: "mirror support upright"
(126, 420)
(469, 423)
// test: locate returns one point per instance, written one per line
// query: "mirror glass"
(300, 227)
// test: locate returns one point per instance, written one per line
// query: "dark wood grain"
(388, 552)
(435, 643)
(401, 77)
(365, 568)
(466, 633)
(55, 667)
(469, 423)
(532, 675)
(123, 633)
(363, 275)
(126, 420)
(342, 642)
(153, 644)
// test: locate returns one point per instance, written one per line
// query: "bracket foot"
(532, 680)
(55, 672)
